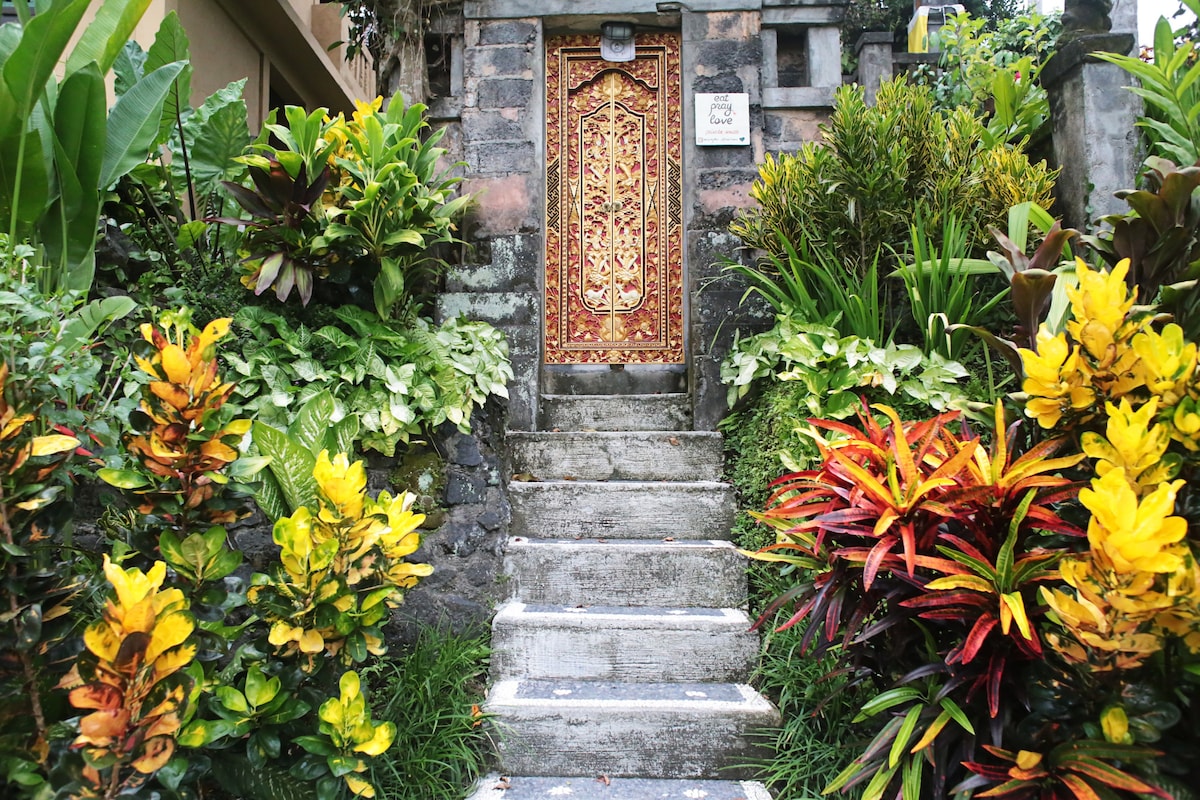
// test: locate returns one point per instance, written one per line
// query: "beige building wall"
(279, 46)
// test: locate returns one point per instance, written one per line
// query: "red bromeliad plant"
(922, 553)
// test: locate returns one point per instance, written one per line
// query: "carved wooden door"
(614, 232)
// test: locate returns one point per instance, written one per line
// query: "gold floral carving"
(614, 272)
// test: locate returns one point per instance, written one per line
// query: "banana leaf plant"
(60, 145)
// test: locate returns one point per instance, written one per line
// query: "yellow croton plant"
(343, 566)
(1110, 371)
(129, 681)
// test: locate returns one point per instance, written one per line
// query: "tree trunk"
(400, 66)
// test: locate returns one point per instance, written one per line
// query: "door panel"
(614, 233)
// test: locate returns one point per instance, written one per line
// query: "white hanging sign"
(723, 119)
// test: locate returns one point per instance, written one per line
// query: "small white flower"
(696, 694)
(559, 791)
(562, 693)
(677, 612)
(695, 794)
(576, 610)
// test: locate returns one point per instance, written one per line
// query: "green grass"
(431, 691)
(816, 740)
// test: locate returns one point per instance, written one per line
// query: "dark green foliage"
(817, 702)
(877, 168)
(432, 692)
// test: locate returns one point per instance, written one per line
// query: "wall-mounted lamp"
(616, 41)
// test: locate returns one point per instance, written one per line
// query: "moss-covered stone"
(422, 471)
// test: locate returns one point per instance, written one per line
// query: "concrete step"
(642, 730)
(613, 378)
(621, 509)
(622, 643)
(615, 572)
(497, 787)
(617, 455)
(616, 412)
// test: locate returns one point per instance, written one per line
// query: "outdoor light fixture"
(616, 41)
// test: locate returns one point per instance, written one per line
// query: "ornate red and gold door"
(614, 231)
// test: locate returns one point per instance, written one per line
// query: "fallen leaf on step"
(555, 430)
(604, 779)
(503, 783)
(569, 478)
(601, 540)
(524, 476)
(668, 538)
(673, 441)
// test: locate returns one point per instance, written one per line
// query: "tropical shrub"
(356, 203)
(184, 436)
(813, 285)
(919, 555)
(1002, 650)
(263, 685)
(399, 378)
(834, 369)
(877, 168)
(993, 69)
(155, 241)
(132, 681)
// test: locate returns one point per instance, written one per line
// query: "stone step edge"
(495, 786)
(614, 543)
(519, 612)
(623, 485)
(504, 694)
(682, 436)
(664, 396)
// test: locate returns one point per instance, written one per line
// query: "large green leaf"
(71, 226)
(291, 463)
(89, 319)
(129, 67)
(171, 45)
(24, 181)
(107, 34)
(312, 423)
(31, 64)
(133, 122)
(216, 134)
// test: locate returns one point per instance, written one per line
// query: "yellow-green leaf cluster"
(346, 720)
(130, 678)
(1138, 584)
(341, 568)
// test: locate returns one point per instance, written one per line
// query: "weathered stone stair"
(619, 664)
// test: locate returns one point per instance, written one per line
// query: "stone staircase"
(619, 664)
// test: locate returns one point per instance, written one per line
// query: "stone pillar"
(722, 52)
(1092, 115)
(874, 52)
(503, 145)
(824, 56)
